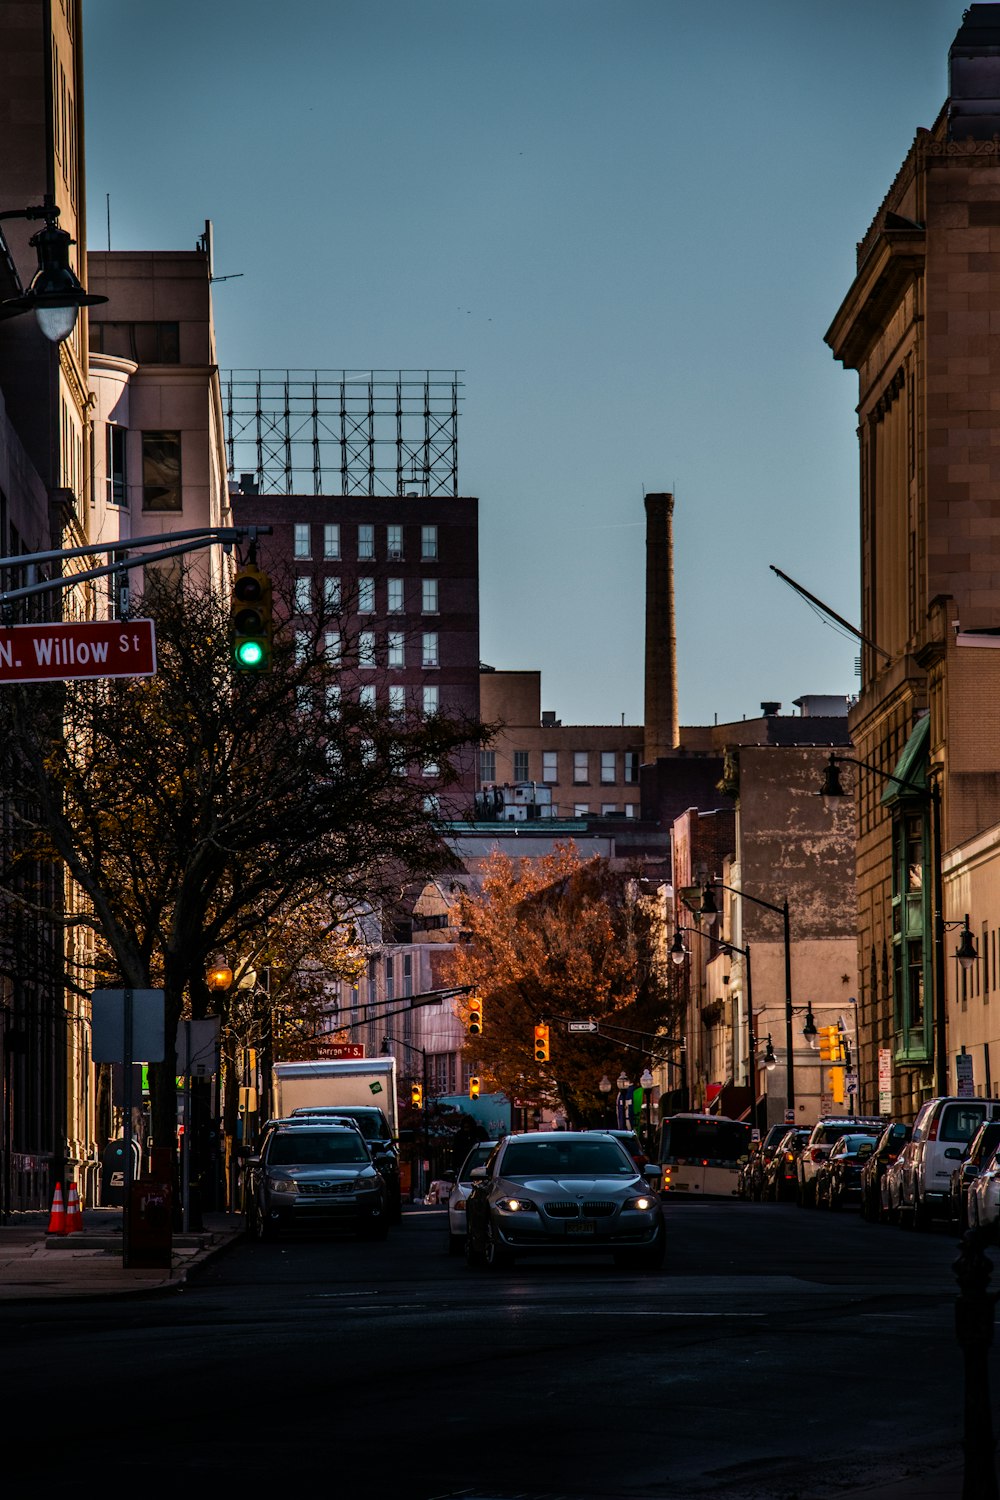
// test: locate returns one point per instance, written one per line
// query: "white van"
(941, 1131)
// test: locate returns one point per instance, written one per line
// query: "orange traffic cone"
(74, 1213)
(57, 1218)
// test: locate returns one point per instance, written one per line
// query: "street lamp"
(831, 790)
(809, 1030)
(770, 1061)
(605, 1087)
(55, 295)
(709, 908)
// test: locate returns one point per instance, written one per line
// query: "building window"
(116, 493)
(303, 594)
(520, 765)
(429, 543)
(550, 766)
(581, 767)
(609, 768)
(429, 596)
(609, 810)
(366, 541)
(161, 471)
(487, 766)
(332, 647)
(630, 810)
(331, 541)
(581, 809)
(397, 701)
(331, 593)
(397, 649)
(395, 600)
(394, 542)
(432, 804)
(333, 699)
(430, 701)
(430, 649)
(303, 646)
(366, 596)
(300, 543)
(431, 768)
(366, 695)
(631, 766)
(366, 649)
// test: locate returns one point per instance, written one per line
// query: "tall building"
(918, 324)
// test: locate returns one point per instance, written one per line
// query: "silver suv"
(817, 1148)
(315, 1174)
(941, 1131)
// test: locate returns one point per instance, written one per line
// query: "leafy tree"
(563, 938)
(198, 809)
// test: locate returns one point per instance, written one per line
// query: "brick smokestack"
(661, 727)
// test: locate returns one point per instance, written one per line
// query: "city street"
(781, 1354)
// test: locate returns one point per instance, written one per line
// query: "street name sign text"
(78, 649)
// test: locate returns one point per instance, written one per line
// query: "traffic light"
(473, 1088)
(474, 1025)
(541, 1043)
(829, 1043)
(417, 1095)
(250, 619)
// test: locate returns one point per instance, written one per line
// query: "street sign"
(851, 1083)
(965, 1087)
(79, 649)
(341, 1049)
(581, 1026)
(108, 1026)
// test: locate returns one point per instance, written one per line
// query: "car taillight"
(789, 1155)
(932, 1133)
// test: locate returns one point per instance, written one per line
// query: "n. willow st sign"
(84, 648)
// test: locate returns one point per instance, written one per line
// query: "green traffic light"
(249, 654)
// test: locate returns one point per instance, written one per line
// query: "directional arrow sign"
(581, 1026)
(82, 648)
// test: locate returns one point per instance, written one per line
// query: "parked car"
(460, 1190)
(754, 1169)
(978, 1152)
(887, 1148)
(632, 1145)
(566, 1192)
(941, 1131)
(315, 1174)
(838, 1179)
(781, 1173)
(820, 1143)
(983, 1199)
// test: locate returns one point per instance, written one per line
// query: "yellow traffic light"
(473, 1088)
(541, 1043)
(250, 620)
(829, 1043)
(417, 1095)
(474, 1025)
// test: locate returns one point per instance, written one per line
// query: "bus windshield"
(690, 1137)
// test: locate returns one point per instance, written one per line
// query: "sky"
(628, 222)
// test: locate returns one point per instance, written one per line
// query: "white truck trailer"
(333, 1082)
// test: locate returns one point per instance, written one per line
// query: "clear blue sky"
(630, 222)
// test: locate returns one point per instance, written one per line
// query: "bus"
(700, 1155)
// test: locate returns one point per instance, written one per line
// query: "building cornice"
(896, 261)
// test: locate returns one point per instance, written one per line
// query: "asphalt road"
(781, 1355)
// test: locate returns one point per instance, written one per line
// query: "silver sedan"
(565, 1192)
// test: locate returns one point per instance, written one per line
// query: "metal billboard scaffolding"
(347, 432)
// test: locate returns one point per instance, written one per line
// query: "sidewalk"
(37, 1266)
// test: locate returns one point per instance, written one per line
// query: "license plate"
(581, 1227)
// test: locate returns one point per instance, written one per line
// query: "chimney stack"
(661, 728)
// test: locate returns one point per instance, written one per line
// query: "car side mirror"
(251, 1161)
(478, 1174)
(652, 1171)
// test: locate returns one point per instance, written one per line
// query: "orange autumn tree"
(557, 939)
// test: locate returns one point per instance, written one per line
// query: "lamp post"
(709, 909)
(678, 953)
(967, 954)
(605, 1087)
(55, 294)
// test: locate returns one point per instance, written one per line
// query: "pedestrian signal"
(474, 1025)
(541, 1043)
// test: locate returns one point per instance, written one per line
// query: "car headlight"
(643, 1203)
(517, 1206)
(363, 1184)
(282, 1185)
